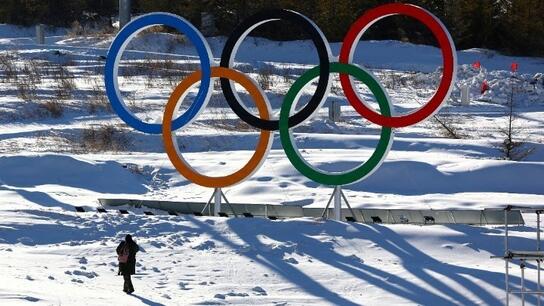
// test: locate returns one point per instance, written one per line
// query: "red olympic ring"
(449, 56)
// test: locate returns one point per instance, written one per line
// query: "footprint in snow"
(356, 258)
(224, 296)
(259, 290)
(183, 286)
(219, 296)
(240, 294)
(291, 260)
(206, 245)
(85, 274)
(31, 299)
(447, 246)
(28, 277)
(157, 244)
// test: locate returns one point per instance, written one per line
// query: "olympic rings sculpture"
(287, 119)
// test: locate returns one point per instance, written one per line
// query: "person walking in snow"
(126, 253)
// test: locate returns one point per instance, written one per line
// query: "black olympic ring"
(323, 51)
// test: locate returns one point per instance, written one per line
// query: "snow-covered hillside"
(61, 146)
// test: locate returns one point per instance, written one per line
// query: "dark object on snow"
(149, 213)
(123, 211)
(248, 215)
(79, 209)
(101, 210)
(58, 53)
(223, 214)
(129, 268)
(429, 219)
(350, 219)
(376, 219)
(172, 213)
(272, 217)
(198, 214)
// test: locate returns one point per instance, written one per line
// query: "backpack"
(123, 255)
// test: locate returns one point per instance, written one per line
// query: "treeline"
(511, 26)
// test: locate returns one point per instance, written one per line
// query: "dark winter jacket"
(130, 266)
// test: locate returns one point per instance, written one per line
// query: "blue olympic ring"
(118, 47)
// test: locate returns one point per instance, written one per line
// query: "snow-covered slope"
(57, 257)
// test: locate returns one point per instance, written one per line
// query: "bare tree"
(447, 127)
(511, 148)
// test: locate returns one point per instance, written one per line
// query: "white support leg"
(337, 203)
(538, 288)
(217, 202)
(506, 260)
(522, 266)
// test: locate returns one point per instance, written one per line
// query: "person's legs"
(127, 283)
(130, 287)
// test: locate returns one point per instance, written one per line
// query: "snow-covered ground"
(52, 256)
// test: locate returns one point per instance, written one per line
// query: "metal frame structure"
(523, 256)
(216, 197)
(337, 196)
(363, 215)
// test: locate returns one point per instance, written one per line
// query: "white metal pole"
(522, 266)
(465, 96)
(217, 203)
(337, 203)
(40, 34)
(506, 282)
(538, 249)
(505, 256)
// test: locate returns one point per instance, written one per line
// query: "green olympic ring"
(292, 152)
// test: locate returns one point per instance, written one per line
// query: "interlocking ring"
(323, 52)
(172, 148)
(289, 145)
(449, 56)
(287, 120)
(114, 57)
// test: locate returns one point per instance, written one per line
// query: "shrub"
(105, 137)
(52, 108)
(264, 77)
(98, 101)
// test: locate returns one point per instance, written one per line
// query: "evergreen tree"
(513, 27)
